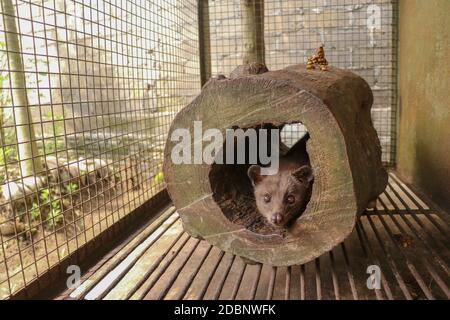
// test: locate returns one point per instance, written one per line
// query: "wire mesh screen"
(358, 35)
(88, 89)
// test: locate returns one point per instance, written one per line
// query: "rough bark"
(252, 31)
(27, 148)
(344, 151)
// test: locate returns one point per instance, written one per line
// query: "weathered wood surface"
(151, 263)
(344, 151)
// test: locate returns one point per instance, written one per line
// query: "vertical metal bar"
(204, 40)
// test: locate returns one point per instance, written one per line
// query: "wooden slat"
(164, 263)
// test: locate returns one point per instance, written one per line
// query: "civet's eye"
(267, 198)
(291, 199)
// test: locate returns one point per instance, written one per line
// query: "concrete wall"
(424, 130)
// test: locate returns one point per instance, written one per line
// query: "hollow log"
(215, 201)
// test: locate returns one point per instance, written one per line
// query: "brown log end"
(214, 200)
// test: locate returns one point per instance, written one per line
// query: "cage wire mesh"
(358, 35)
(102, 81)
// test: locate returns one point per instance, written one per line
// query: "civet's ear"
(254, 173)
(304, 175)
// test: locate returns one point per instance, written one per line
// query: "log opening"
(232, 188)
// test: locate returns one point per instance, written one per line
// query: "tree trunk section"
(27, 148)
(215, 200)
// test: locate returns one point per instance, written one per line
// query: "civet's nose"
(276, 218)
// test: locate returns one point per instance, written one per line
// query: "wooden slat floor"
(405, 236)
